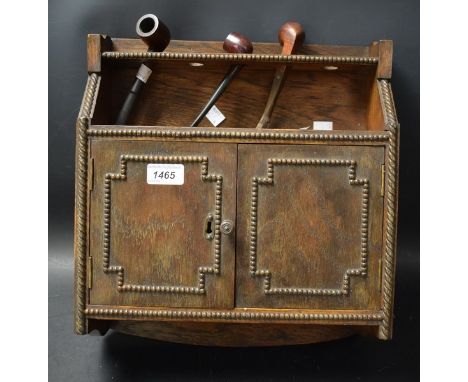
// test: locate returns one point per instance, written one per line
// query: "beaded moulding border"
(229, 315)
(242, 57)
(237, 135)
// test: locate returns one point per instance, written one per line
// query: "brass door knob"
(227, 226)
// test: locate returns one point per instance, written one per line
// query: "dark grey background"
(118, 357)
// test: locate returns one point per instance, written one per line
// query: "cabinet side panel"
(391, 208)
(81, 202)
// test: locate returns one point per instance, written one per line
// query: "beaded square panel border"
(205, 176)
(268, 180)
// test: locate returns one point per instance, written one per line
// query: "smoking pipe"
(156, 35)
(234, 43)
(291, 36)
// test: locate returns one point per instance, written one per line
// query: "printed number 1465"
(164, 174)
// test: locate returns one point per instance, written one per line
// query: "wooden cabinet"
(248, 237)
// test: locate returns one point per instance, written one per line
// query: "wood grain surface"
(184, 46)
(215, 334)
(176, 92)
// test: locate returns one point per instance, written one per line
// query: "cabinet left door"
(155, 214)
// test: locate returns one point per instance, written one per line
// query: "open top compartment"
(334, 84)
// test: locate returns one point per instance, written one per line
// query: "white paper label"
(165, 174)
(215, 116)
(323, 125)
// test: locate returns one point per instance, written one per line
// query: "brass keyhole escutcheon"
(227, 226)
(208, 231)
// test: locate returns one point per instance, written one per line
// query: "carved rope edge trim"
(391, 178)
(296, 58)
(202, 271)
(388, 104)
(136, 133)
(82, 202)
(228, 315)
(269, 180)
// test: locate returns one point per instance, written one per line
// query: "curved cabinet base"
(229, 334)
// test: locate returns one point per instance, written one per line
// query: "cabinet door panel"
(161, 244)
(309, 227)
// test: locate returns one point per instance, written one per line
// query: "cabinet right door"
(309, 232)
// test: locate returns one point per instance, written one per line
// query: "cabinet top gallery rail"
(121, 48)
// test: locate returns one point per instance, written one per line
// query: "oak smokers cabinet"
(277, 236)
